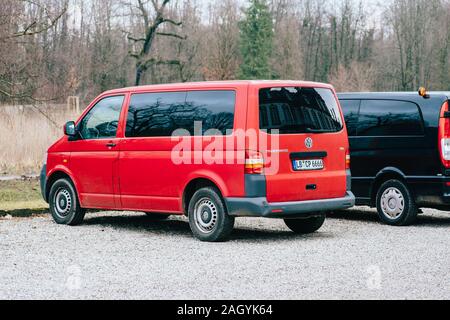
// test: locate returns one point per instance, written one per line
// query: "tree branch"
(154, 61)
(28, 31)
(129, 37)
(169, 34)
(175, 23)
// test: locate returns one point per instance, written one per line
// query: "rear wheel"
(208, 218)
(395, 204)
(64, 205)
(157, 216)
(305, 226)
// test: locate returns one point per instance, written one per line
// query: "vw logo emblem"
(309, 143)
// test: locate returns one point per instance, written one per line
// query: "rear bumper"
(43, 182)
(431, 192)
(260, 207)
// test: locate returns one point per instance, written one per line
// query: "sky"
(374, 8)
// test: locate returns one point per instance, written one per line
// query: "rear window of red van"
(295, 110)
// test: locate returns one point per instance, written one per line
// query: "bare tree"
(222, 47)
(354, 78)
(415, 24)
(22, 22)
(288, 45)
(50, 49)
(188, 51)
(153, 17)
(43, 18)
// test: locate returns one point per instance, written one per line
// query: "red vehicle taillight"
(254, 162)
(348, 160)
(444, 135)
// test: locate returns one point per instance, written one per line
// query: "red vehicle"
(275, 149)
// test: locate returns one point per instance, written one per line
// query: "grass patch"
(21, 198)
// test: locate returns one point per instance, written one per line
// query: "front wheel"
(208, 217)
(305, 226)
(395, 204)
(64, 205)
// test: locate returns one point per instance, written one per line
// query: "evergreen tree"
(256, 41)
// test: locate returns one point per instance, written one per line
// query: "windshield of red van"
(295, 110)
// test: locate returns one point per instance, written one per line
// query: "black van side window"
(161, 114)
(351, 114)
(389, 118)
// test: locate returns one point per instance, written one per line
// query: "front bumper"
(260, 207)
(43, 182)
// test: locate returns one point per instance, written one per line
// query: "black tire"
(403, 202)
(64, 204)
(157, 216)
(305, 226)
(215, 225)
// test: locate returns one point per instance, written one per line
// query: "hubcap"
(392, 203)
(206, 215)
(62, 202)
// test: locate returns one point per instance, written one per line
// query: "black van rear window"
(295, 110)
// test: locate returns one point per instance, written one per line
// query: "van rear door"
(310, 155)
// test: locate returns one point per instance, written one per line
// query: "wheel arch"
(389, 173)
(56, 175)
(193, 186)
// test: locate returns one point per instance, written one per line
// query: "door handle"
(111, 145)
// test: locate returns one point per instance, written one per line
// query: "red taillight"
(348, 160)
(444, 136)
(254, 162)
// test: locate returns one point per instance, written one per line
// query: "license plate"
(305, 165)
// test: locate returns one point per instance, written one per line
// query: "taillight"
(444, 135)
(254, 162)
(348, 160)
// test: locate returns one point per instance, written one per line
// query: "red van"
(211, 151)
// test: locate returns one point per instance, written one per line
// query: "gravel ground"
(126, 256)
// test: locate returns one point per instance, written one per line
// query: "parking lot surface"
(128, 256)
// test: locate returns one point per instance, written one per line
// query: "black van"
(400, 149)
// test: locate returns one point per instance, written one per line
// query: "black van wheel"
(157, 216)
(305, 226)
(208, 218)
(395, 204)
(64, 205)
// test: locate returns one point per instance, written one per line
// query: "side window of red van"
(214, 109)
(154, 114)
(102, 120)
(161, 114)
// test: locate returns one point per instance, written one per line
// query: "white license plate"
(305, 165)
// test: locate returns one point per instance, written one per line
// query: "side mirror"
(70, 129)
